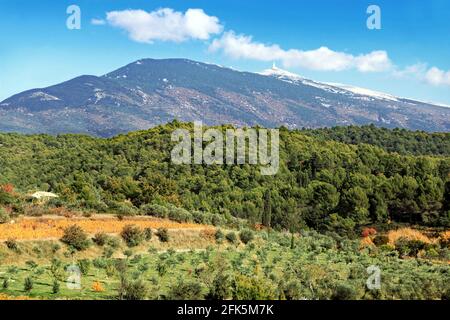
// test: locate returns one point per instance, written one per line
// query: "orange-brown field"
(6, 297)
(52, 227)
(407, 233)
(410, 234)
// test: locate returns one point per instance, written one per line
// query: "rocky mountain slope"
(150, 92)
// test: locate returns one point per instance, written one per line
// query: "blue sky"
(408, 57)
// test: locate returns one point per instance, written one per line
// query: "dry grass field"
(52, 227)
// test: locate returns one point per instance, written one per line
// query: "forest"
(397, 140)
(322, 184)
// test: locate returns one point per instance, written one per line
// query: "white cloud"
(416, 70)
(98, 22)
(375, 61)
(422, 72)
(437, 77)
(321, 59)
(169, 25)
(165, 24)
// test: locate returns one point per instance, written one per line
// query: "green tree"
(267, 214)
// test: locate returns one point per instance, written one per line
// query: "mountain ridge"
(149, 92)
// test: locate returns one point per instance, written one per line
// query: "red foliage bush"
(8, 188)
(368, 232)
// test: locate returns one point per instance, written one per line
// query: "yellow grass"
(407, 233)
(366, 242)
(445, 235)
(6, 297)
(53, 227)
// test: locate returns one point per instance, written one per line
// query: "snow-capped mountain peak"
(280, 73)
(364, 92)
(330, 87)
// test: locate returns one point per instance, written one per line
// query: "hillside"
(150, 92)
(397, 140)
(325, 185)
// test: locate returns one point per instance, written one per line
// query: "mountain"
(150, 92)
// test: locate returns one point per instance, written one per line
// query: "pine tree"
(267, 214)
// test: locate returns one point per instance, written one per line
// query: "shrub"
(110, 270)
(97, 287)
(128, 253)
(57, 270)
(124, 209)
(4, 216)
(13, 270)
(179, 215)
(85, 266)
(55, 287)
(136, 259)
(75, 237)
(231, 237)
(432, 253)
(108, 252)
(6, 198)
(253, 288)
(366, 232)
(36, 211)
(408, 247)
(12, 244)
(8, 188)
(446, 295)
(121, 266)
(100, 239)
(246, 236)
(144, 266)
(37, 250)
(28, 284)
(444, 242)
(163, 235)
(344, 292)
(221, 288)
(132, 235)
(185, 291)
(217, 220)
(201, 217)
(155, 210)
(292, 290)
(113, 242)
(148, 233)
(87, 214)
(31, 264)
(18, 208)
(132, 290)
(55, 203)
(100, 263)
(219, 236)
(381, 240)
(161, 267)
(55, 247)
(5, 284)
